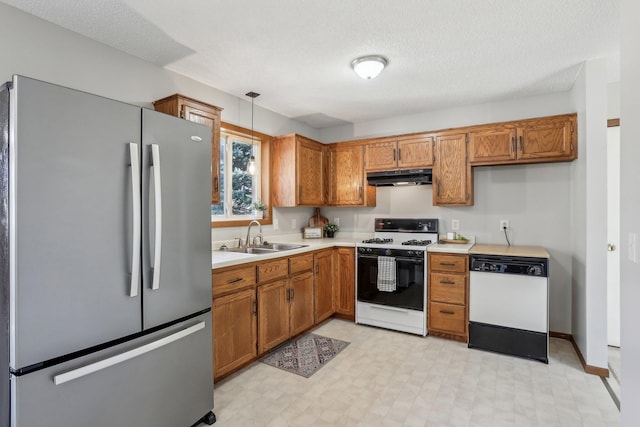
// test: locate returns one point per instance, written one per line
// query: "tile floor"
(387, 378)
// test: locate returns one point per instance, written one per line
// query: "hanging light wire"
(251, 164)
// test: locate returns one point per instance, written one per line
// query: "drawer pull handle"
(236, 280)
(447, 282)
(448, 264)
(447, 312)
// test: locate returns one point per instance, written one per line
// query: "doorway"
(613, 255)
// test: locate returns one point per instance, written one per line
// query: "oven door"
(409, 288)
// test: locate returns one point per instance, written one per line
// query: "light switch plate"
(455, 224)
(633, 254)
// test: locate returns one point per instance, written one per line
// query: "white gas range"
(391, 274)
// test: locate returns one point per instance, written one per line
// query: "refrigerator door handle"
(122, 357)
(157, 192)
(136, 212)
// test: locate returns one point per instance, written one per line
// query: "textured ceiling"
(297, 53)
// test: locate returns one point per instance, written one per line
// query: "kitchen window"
(238, 189)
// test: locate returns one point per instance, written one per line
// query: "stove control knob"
(534, 270)
(387, 252)
(411, 253)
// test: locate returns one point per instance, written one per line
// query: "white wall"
(613, 100)
(589, 214)
(534, 106)
(534, 198)
(38, 49)
(630, 209)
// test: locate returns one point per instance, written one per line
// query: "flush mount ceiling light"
(368, 67)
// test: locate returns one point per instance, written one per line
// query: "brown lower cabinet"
(448, 295)
(323, 284)
(258, 306)
(345, 283)
(234, 330)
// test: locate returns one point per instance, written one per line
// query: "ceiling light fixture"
(368, 67)
(251, 164)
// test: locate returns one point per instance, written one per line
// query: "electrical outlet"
(504, 224)
(294, 223)
(276, 224)
(336, 221)
(455, 225)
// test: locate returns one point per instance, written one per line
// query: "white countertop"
(523, 251)
(221, 259)
(455, 248)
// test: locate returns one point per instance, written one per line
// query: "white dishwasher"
(508, 305)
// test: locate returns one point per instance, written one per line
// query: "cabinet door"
(452, 179)
(492, 146)
(273, 314)
(323, 285)
(381, 156)
(209, 118)
(346, 176)
(208, 115)
(310, 176)
(345, 285)
(301, 303)
(448, 318)
(234, 331)
(547, 139)
(415, 152)
(449, 288)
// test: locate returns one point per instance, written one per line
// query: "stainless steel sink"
(267, 248)
(252, 250)
(283, 246)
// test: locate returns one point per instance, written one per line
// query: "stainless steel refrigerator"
(105, 262)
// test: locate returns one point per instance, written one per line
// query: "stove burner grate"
(378, 240)
(415, 242)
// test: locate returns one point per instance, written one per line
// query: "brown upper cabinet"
(346, 180)
(452, 175)
(404, 153)
(546, 139)
(298, 171)
(199, 112)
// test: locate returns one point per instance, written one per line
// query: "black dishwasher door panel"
(514, 342)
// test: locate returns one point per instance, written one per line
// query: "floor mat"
(305, 355)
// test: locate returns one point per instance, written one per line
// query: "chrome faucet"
(247, 241)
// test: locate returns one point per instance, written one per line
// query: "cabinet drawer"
(231, 280)
(448, 288)
(300, 263)
(447, 317)
(273, 270)
(448, 262)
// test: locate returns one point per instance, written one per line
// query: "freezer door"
(162, 380)
(70, 220)
(176, 182)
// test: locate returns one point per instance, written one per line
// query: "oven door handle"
(398, 258)
(413, 260)
(367, 256)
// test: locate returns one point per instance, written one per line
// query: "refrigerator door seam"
(123, 357)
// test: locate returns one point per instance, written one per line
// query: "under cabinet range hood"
(399, 177)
